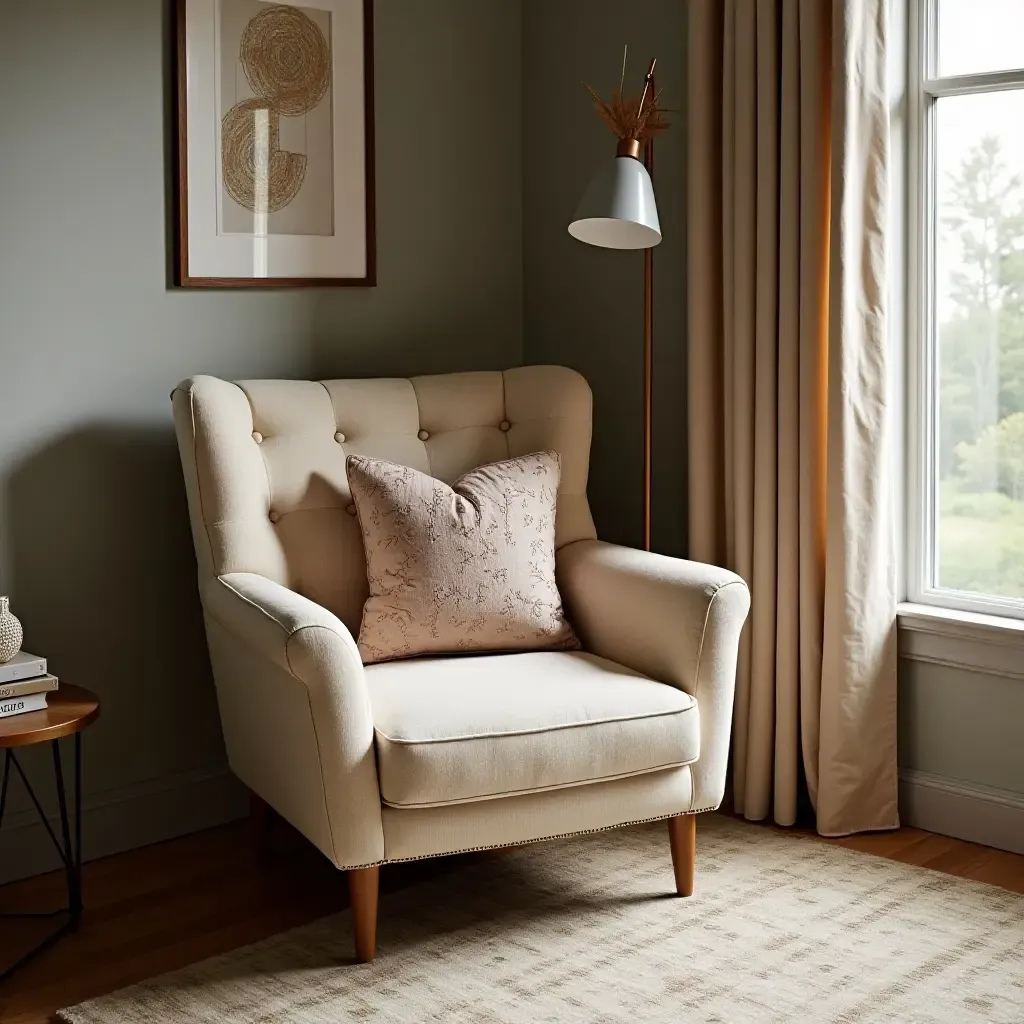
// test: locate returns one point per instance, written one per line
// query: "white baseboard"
(123, 819)
(965, 810)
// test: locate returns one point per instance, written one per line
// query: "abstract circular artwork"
(286, 59)
(241, 133)
(287, 63)
(274, 143)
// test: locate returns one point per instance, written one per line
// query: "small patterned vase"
(11, 634)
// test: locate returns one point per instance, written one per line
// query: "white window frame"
(924, 88)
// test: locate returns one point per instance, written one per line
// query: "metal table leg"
(70, 854)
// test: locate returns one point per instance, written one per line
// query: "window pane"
(979, 317)
(980, 35)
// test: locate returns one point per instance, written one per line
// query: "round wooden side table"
(69, 710)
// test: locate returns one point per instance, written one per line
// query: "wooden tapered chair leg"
(682, 835)
(362, 891)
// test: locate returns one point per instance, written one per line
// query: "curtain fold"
(788, 431)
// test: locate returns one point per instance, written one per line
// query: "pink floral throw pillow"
(469, 567)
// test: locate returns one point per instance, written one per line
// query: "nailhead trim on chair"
(525, 842)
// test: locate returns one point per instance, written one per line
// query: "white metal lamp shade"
(618, 209)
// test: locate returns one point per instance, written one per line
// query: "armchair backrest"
(264, 461)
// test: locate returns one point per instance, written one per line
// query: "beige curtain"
(788, 432)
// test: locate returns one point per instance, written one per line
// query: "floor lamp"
(618, 211)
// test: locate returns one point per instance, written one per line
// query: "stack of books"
(24, 685)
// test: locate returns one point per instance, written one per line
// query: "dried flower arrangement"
(632, 118)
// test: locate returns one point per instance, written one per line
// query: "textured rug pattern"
(779, 930)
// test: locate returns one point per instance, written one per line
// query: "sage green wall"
(94, 545)
(584, 306)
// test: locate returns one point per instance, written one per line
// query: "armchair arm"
(296, 713)
(673, 620)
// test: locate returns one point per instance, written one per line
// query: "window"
(965, 496)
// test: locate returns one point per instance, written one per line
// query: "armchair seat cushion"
(455, 730)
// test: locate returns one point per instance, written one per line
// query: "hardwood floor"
(162, 907)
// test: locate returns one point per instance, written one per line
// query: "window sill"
(963, 640)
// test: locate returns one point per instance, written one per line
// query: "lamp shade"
(618, 209)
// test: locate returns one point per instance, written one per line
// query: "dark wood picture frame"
(182, 277)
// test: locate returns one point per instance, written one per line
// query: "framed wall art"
(275, 143)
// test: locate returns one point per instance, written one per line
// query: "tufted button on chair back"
(264, 462)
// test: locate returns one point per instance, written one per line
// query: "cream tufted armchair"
(430, 756)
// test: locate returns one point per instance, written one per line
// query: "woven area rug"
(780, 929)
